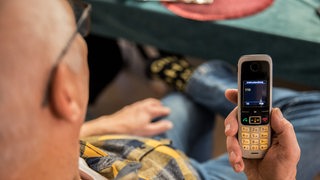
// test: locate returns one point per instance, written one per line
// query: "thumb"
(282, 128)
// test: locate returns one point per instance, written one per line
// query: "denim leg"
(192, 133)
(303, 111)
(207, 86)
(193, 125)
(209, 82)
(218, 168)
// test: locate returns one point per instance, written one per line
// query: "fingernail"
(170, 125)
(227, 128)
(232, 155)
(279, 113)
(237, 167)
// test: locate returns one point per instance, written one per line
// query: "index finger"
(231, 123)
(232, 95)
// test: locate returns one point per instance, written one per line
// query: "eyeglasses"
(82, 15)
(82, 12)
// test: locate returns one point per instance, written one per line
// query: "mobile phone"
(254, 104)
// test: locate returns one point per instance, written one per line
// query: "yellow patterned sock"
(173, 70)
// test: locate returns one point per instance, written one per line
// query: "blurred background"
(126, 34)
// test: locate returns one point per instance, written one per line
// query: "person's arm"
(280, 162)
(134, 119)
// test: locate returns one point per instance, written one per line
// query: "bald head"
(35, 21)
(32, 35)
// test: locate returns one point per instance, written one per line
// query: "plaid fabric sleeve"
(127, 157)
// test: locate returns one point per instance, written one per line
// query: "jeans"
(192, 114)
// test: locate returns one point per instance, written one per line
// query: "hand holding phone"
(279, 162)
(254, 104)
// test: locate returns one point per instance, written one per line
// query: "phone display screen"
(255, 93)
(255, 80)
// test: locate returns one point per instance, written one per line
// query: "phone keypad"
(254, 138)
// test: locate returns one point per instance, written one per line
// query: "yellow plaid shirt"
(129, 157)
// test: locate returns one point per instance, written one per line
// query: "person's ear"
(64, 99)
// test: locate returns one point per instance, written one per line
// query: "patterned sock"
(173, 70)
